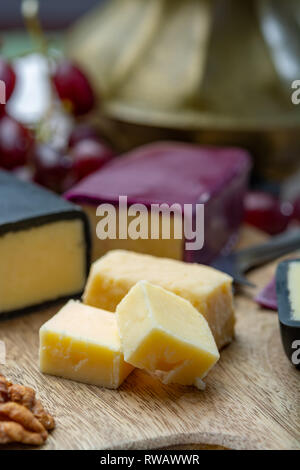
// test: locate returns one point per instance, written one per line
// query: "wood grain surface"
(252, 398)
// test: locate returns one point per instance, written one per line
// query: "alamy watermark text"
(159, 221)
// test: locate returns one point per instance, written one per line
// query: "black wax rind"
(25, 205)
(289, 328)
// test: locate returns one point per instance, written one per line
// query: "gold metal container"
(209, 71)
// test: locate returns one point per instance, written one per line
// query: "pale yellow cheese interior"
(209, 290)
(294, 289)
(164, 334)
(82, 343)
(169, 248)
(41, 264)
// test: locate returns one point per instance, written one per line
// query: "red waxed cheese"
(171, 172)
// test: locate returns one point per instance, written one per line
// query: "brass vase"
(209, 71)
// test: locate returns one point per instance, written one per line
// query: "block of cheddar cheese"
(208, 290)
(170, 173)
(44, 246)
(82, 343)
(165, 335)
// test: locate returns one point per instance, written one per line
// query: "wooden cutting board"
(252, 398)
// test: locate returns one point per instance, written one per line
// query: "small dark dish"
(289, 327)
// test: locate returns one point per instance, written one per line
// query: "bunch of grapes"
(15, 139)
(56, 169)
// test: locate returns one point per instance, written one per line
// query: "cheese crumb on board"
(82, 343)
(165, 335)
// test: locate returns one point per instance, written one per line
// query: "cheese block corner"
(165, 335)
(82, 343)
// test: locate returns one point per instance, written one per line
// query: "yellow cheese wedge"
(164, 334)
(209, 290)
(82, 343)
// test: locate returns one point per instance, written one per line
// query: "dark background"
(55, 14)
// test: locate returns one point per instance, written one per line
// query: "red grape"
(72, 86)
(88, 156)
(15, 143)
(83, 132)
(7, 75)
(266, 212)
(51, 168)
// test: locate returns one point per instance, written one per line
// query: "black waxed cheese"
(288, 299)
(44, 246)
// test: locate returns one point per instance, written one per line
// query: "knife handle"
(277, 246)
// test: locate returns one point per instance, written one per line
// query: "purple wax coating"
(267, 298)
(171, 172)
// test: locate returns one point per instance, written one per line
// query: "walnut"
(22, 417)
(45, 418)
(14, 432)
(23, 395)
(3, 389)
